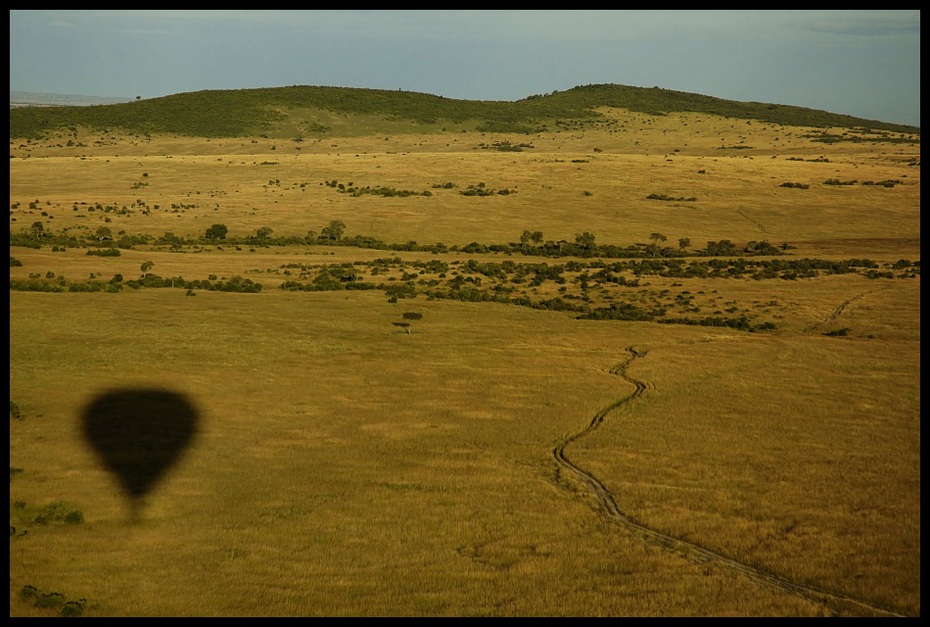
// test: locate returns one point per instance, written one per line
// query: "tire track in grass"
(833, 602)
(758, 224)
(837, 312)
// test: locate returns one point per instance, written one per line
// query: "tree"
(585, 240)
(104, 233)
(537, 237)
(217, 231)
(334, 231)
(656, 238)
(683, 243)
(263, 233)
(146, 266)
(38, 229)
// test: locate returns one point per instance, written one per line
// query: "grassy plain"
(345, 467)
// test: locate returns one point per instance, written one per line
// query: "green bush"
(50, 600)
(72, 608)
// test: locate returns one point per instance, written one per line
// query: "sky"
(860, 63)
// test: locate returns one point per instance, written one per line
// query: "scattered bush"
(53, 600)
(58, 512)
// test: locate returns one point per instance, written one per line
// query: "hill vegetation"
(277, 111)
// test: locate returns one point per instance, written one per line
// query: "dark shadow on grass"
(139, 435)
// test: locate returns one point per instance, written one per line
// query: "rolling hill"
(310, 111)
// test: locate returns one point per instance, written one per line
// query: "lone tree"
(217, 231)
(408, 316)
(146, 266)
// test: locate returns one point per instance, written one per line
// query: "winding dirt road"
(833, 603)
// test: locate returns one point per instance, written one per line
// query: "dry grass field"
(344, 465)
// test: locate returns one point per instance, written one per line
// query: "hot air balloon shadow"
(139, 435)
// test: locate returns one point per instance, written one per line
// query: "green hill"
(283, 111)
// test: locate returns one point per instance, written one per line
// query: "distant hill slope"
(232, 113)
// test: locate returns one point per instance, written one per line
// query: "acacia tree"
(408, 316)
(585, 240)
(656, 238)
(334, 231)
(217, 231)
(263, 233)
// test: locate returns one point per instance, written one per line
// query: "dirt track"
(836, 312)
(833, 603)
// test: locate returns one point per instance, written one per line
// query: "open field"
(501, 455)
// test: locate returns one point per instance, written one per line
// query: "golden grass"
(344, 467)
(738, 194)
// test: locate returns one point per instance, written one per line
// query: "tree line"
(530, 243)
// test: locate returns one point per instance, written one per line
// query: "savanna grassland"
(649, 363)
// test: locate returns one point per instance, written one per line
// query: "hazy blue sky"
(862, 63)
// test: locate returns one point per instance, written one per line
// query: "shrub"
(74, 517)
(72, 608)
(50, 599)
(402, 290)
